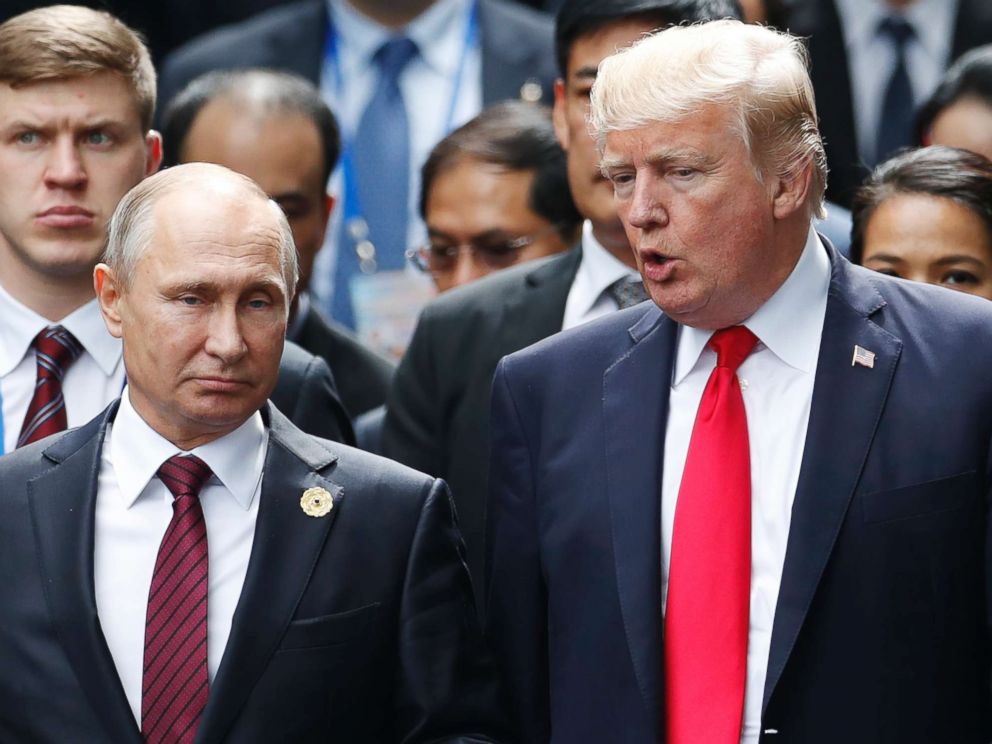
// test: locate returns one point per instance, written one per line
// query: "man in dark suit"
(968, 24)
(162, 572)
(80, 136)
(399, 76)
(274, 128)
(739, 513)
(438, 410)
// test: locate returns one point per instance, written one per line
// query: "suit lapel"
(536, 309)
(637, 385)
(285, 550)
(847, 403)
(63, 502)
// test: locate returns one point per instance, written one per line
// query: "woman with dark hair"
(926, 215)
(959, 113)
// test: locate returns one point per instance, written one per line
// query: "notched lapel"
(62, 504)
(285, 551)
(635, 412)
(535, 308)
(848, 400)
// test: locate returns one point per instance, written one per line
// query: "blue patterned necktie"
(895, 125)
(381, 159)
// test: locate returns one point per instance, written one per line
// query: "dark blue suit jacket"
(353, 627)
(880, 633)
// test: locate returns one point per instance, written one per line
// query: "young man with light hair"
(77, 98)
(761, 525)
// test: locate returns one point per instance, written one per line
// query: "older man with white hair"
(191, 566)
(740, 513)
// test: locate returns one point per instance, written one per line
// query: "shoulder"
(269, 23)
(518, 17)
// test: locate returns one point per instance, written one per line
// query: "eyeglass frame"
(419, 255)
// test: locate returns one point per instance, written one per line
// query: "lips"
(222, 384)
(657, 267)
(66, 217)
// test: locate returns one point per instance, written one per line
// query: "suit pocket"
(921, 499)
(329, 630)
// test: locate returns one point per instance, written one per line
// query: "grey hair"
(132, 228)
(760, 73)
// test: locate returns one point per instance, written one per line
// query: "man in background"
(77, 96)
(274, 128)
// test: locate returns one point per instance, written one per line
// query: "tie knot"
(732, 346)
(184, 475)
(56, 349)
(898, 29)
(394, 55)
(627, 291)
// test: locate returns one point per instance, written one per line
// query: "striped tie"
(55, 349)
(175, 683)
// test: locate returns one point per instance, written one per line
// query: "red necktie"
(709, 578)
(55, 349)
(175, 683)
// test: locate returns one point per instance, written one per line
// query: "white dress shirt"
(777, 385)
(598, 269)
(427, 84)
(872, 58)
(133, 509)
(90, 383)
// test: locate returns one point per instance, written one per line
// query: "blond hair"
(760, 73)
(68, 41)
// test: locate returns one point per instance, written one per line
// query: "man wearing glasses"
(495, 193)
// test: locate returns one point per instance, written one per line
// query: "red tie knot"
(732, 346)
(56, 349)
(184, 475)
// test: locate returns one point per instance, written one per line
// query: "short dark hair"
(267, 91)
(960, 175)
(969, 77)
(580, 17)
(517, 136)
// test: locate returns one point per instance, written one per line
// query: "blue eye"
(98, 138)
(28, 138)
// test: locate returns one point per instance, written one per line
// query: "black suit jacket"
(818, 20)
(437, 418)
(306, 392)
(517, 46)
(880, 633)
(355, 627)
(361, 375)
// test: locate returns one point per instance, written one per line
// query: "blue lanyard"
(352, 202)
(1, 424)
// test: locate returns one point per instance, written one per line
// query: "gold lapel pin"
(863, 357)
(316, 502)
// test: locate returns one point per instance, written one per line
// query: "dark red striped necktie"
(55, 349)
(175, 682)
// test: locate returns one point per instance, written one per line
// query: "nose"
(645, 208)
(225, 340)
(467, 269)
(65, 166)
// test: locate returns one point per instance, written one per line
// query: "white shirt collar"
(21, 324)
(789, 324)
(932, 22)
(438, 33)
(137, 451)
(598, 269)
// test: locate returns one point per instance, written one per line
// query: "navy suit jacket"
(355, 627)
(517, 47)
(880, 632)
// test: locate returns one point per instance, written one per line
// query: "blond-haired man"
(738, 513)
(77, 97)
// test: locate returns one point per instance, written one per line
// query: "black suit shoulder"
(362, 376)
(306, 393)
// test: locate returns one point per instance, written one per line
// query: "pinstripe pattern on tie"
(175, 682)
(55, 349)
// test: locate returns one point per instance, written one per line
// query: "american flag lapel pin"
(863, 357)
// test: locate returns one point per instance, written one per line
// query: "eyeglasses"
(439, 258)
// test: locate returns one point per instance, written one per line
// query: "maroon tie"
(709, 578)
(55, 349)
(175, 683)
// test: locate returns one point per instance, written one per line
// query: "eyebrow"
(586, 72)
(690, 157)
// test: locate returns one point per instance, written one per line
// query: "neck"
(394, 14)
(613, 238)
(52, 298)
